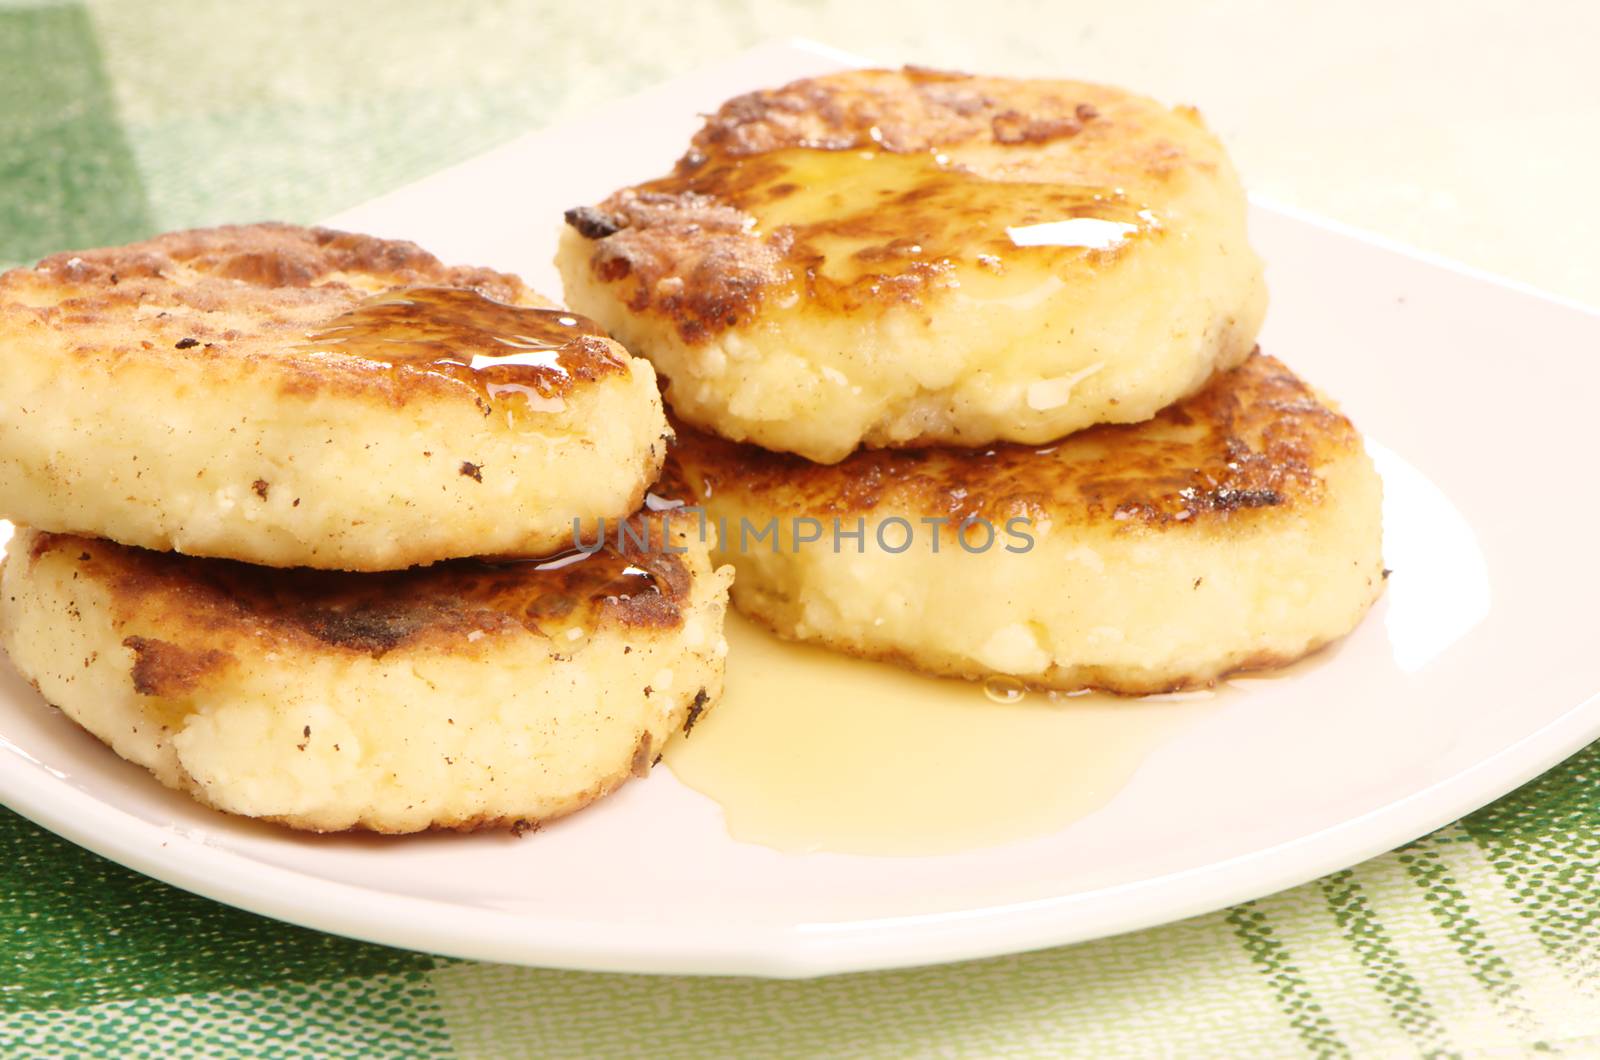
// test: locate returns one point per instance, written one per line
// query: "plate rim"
(787, 952)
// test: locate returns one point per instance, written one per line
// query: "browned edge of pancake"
(1252, 439)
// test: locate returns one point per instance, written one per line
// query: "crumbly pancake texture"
(463, 695)
(1240, 529)
(906, 257)
(303, 397)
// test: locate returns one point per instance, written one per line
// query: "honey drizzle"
(854, 224)
(463, 335)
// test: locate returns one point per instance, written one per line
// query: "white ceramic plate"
(1478, 670)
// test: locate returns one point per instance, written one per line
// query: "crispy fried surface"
(858, 224)
(1251, 439)
(873, 108)
(301, 397)
(242, 300)
(1239, 529)
(468, 694)
(230, 607)
(759, 150)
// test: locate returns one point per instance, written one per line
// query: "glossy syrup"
(558, 594)
(809, 750)
(854, 225)
(499, 349)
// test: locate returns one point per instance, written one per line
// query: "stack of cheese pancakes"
(297, 512)
(997, 339)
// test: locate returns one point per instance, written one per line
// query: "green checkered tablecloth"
(121, 119)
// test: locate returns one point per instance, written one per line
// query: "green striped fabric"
(121, 119)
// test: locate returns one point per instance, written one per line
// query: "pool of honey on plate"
(809, 750)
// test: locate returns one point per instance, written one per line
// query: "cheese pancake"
(462, 695)
(302, 397)
(911, 258)
(1239, 529)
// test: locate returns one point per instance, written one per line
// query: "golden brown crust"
(206, 607)
(955, 153)
(910, 109)
(1253, 438)
(161, 668)
(283, 305)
